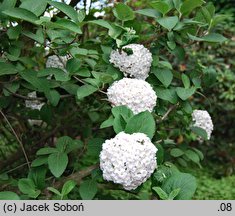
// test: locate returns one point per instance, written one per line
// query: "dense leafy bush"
(55, 74)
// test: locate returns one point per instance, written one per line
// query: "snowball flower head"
(128, 159)
(56, 62)
(202, 119)
(136, 65)
(137, 95)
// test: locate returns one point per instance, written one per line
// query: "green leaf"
(182, 162)
(185, 80)
(184, 181)
(46, 151)
(7, 69)
(176, 152)
(148, 12)
(200, 132)
(163, 172)
(39, 83)
(58, 73)
(14, 32)
(35, 6)
(67, 24)
(39, 161)
(20, 13)
(57, 163)
(55, 191)
(193, 156)
(200, 154)
(124, 111)
(73, 65)
(212, 38)
(102, 77)
(107, 123)
(68, 187)
(171, 44)
(167, 94)
(66, 9)
(119, 124)
(85, 91)
(63, 143)
(81, 15)
(195, 38)
(114, 31)
(53, 96)
(206, 14)
(123, 12)
(189, 5)
(76, 144)
(164, 75)
(209, 76)
(177, 4)
(6, 4)
(161, 193)
(102, 23)
(174, 193)
(161, 6)
(88, 189)
(38, 175)
(143, 123)
(168, 22)
(39, 36)
(94, 147)
(184, 93)
(166, 64)
(8, 195)
(160, 154)
(70, 87)
(28, 187)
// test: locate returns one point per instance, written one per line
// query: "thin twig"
(81, 81)
(13, 169)
(168, 112)
(34, 98)
(77, 177)
(18, 139)
(24, 97)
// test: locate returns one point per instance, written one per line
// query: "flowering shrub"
(116, 105)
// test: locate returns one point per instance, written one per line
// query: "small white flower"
(56, 62)
(136, 65)
(137, 95)
(128, 159)
(202, 119)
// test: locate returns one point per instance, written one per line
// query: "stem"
(32, 98)
(168, 112)
(77, 177)
(81, 81)
(17, 138)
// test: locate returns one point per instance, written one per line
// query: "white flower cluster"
(128, 159)
(137, 95)
(136, 65)
(203, 120)
(56, 62)
(33, 104)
